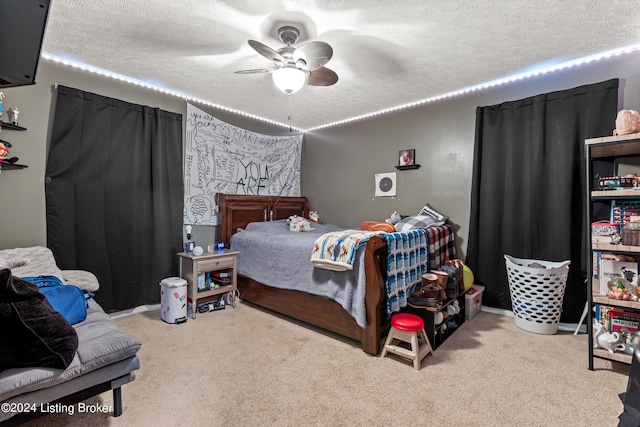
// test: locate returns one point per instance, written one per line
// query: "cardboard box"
(610, 269)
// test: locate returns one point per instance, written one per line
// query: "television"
(22, 25)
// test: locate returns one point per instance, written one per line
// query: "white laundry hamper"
(537, 292)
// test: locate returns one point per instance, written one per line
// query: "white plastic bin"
(537, 291)
(173, 300)
(473, 302)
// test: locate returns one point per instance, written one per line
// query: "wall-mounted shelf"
(5, 165)
(11, 166)
(7, 125)
(407, 167)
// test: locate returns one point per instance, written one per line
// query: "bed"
(236, 212)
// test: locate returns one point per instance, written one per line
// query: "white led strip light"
(493, 83)
(147, 85)
(475, 88)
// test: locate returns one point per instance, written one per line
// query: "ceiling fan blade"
(267, 52)
(314, 55)
(256, 71)
(322, 77)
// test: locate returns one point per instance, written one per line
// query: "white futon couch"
(104, 360)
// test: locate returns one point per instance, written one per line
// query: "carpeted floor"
(245, 367)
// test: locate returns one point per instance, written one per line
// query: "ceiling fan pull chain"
(289, 102)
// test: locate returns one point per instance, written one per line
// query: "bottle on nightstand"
(201, 283)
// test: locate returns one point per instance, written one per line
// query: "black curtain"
(528, 189)
(114, 193)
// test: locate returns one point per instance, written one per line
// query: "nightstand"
(191, 266)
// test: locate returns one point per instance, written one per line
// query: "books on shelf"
(213, 280)
(617, 319)
(624, 322)
(221, 274)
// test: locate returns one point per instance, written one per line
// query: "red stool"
(408, 328)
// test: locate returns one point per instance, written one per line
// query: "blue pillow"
(68, 300)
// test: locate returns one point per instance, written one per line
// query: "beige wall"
(338, 164)
(22, 200)
(22, 206)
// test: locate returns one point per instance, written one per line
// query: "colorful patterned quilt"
(411, 254)
(336, 250)
(407, 261)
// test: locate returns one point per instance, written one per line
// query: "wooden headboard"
(236, 211)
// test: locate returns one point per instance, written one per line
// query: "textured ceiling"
(386, 53)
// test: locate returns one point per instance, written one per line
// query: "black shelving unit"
(602, 158)
(438, 334)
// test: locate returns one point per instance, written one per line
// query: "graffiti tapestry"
(221, 158)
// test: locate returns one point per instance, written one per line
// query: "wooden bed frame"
(236, 211)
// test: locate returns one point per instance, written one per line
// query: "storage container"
(604, 228)
(173, 300)
(631, 234)
(614, 182)
(537, 291)
(473, 301)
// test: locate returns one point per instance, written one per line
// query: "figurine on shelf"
(12, 113)
(604, 339)
(1, 98)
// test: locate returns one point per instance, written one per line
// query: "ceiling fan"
(296, 66)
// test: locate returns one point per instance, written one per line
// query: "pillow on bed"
(428, 210)
(266, 225)
(32, 332)
(418, 221)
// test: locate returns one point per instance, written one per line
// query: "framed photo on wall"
(407, 157)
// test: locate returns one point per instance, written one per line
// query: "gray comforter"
(275, 256)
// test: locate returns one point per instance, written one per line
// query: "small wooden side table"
(191, 266)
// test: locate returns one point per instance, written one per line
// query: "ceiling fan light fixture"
(289, 79)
